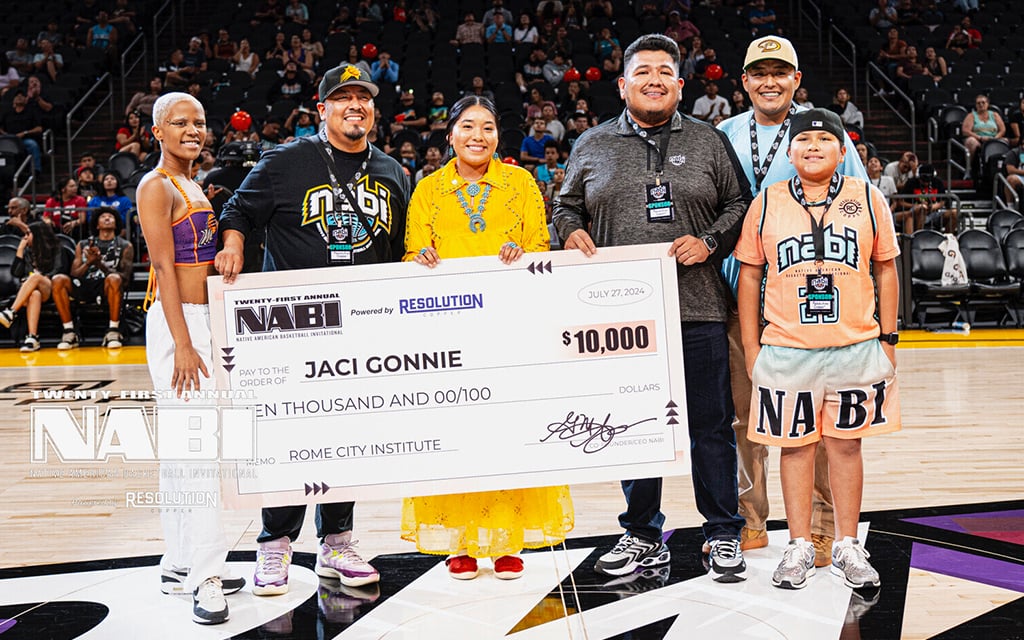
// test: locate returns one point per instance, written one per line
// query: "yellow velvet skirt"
(488, 523)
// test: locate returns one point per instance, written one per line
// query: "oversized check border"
(533, 272)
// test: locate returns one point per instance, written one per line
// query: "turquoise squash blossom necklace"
(476, 218)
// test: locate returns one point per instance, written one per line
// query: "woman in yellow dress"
(475, 205)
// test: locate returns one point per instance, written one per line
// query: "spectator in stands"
(498, 32)
(532, 71)
(302, 122)
(38, 102)
(909, 68)
(245, 59)
(848, 112)
(103, 35)
(926, 210)
(51, 33)
(111, 195)
(549, 10)
(25, 123)
(739, 102)
(384, 69)
(87, 187)
(9, 76)
(884, 16)
(101, 270)
(37, 260)
(553, 126)
(21, 58)
(342, 23)
(802, 98)
(142, 102)
(354, 58)
(555, 68)
(711, 105)
(975, 35)
(981, 125)
(224, 48)
(909, 13)
(270, 134)
(85, 17)
(863, 152)
(680, 30)
(47, 60)
(710, 57)
(431, 163)
(297, 12)
(469, 32)
(369, 11)
(409, 114)
(597, 9)
(478, 87)
(87, 159)
(695, 53)
(1015, 125)
(605, 44)
(966, 6)
(313, 47)
(269, 12)
(278, 50)
(580, 123)
(409, 158)
(425, 17)
(65, 210)
(293, 85)
(760, 19)
(531, 152)
(122, 16)
(525, 32)
(561, 42)
(497, 7)
(893, 51)
(437, 113)
(934, 64)
(194, 57)
(611, 66)
(18, 217)
(959, 40)
(552, 154)
(1014, 169)
(574, 91)
(175, 74)
(302, 58)
(884, 183)
(535, 107)
(903, 169)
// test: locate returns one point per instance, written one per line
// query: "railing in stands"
(850, 57)
(810, 12)
(25, 171)
(163, 18)
(108, 98)
(997, 194)
(127, 66)
(49, 147)
(877, 82)
(951, 144)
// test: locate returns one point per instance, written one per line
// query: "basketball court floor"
(943, 519)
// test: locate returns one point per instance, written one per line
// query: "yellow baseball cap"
(771, 48)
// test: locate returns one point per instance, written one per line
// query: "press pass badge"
(339, 242)
(821, 294)
(659, 202)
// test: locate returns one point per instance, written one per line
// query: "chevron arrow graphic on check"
(228, 367)
(316, 489)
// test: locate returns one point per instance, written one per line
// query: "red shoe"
(462, 567)
(508, 567)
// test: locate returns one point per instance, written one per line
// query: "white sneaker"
(69, 340)
(208, 603)
(850, 562)
(797, 565)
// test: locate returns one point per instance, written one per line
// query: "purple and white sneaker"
(338, 559)
(272, 561)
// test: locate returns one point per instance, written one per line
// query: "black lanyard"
(345, 190)
(796, 188)
(761, 170)
(661, 150)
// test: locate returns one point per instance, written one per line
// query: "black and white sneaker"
(631, 553)
(6, 317)
(726, 561)
(208, 603)
(69, 340)
(113, 339)
(30, 344)
(172, 582)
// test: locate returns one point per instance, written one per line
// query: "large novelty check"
(399, 380)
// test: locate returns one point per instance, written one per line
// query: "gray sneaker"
(6, 317)
(797, 565)
(850, 562)
(726, 561)
(69, 340)
(113, 339)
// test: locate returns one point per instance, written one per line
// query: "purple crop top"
(195, 235)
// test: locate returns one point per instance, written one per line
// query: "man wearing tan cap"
(760, 137)
(331, 199)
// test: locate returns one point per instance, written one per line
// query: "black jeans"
(278, 522)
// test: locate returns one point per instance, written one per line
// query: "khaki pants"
(752, 458)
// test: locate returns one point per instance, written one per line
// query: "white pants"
(194, 535)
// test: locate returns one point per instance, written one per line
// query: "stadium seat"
(1000, 222)
(928, 292)
(990, 282)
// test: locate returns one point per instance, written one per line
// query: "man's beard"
(651, 116)
(354, 133)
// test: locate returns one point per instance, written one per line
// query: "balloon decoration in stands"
(241, 120)
(572, 74)
(510, 160)
(714, 71)
(369, 51)
(593, 74)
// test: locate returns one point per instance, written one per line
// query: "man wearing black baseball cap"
(760, 137)
(292, 192)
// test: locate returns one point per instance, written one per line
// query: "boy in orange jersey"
(824, 367)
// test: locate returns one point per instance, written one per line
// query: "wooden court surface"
(961, 443)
